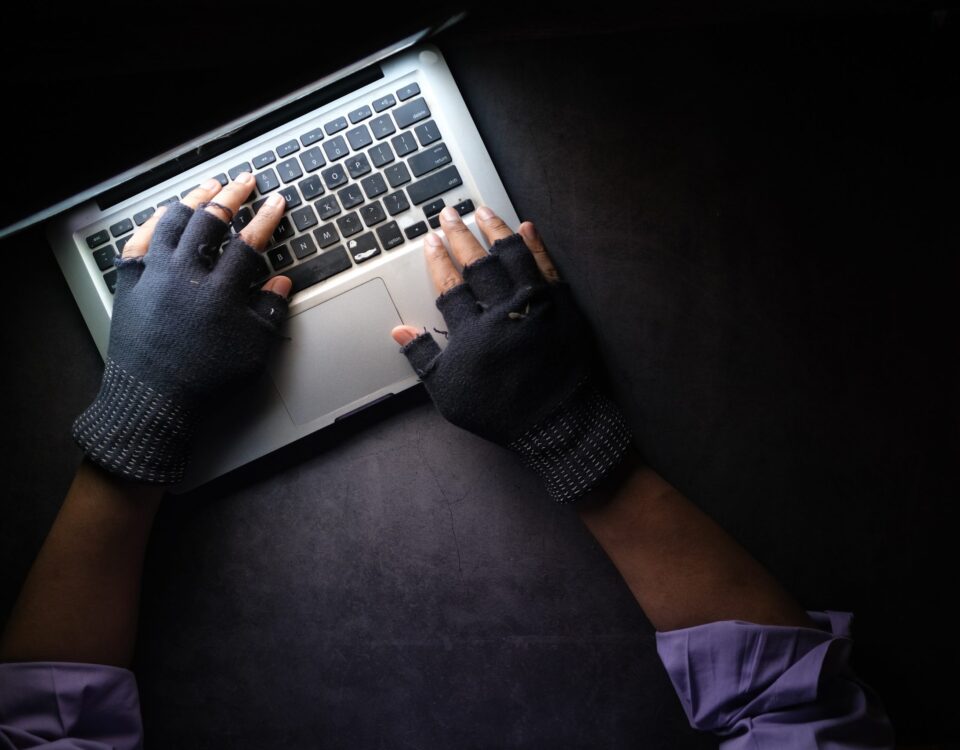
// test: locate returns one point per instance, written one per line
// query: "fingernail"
(276, 199)
(211, 184)
(243, 177)
(450, 214)
(434, 240)
(484, 213)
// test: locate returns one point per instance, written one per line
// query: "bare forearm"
(682, 567)
(80, 600)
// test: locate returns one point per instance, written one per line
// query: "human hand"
(186, 325)
(517, 366)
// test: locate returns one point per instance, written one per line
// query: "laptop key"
(303, 246)
(415, 230)
(384, 102)
(407, 91)
(234, 171)
(397, 174)
(189, 190)
(142, 216)
(279, 257)
(465, 207)
(289, 170)
(336, 148)
(97, 239)
(358, 165)
(360, 114)
(327, 207)
(382, 127)
(291, 196)
(349, 224)
(283, 232)
(372, 213)
(258, 204)
(267, 181)
(222, 179)
(312, 137)
(380, 154)
(390, 235)
(111, 278)
(350, 196)
(311, 187)
(427, 132)
(104, 257)
(304, 218)
(396, 203)
(404, 143)
(319, 269)
(326, 235)
(122, 242)
(434, 221)
(335, 126)
(427, 161)
(168, 201)
(373, 185)
(363, 247)
(334, 177)
(359, 137)
(312, 159)
(241, 219)
(432, 186)
(265, 158)
(433, 207)
(285, 149)
(412, 112)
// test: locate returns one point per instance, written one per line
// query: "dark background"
(758, 212)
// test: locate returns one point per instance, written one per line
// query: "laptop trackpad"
(339, 351)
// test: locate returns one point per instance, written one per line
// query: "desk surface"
(757, 219)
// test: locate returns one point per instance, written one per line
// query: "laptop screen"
(94, 97)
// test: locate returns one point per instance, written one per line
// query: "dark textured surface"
(760, 221)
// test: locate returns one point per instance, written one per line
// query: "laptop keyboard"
(345, 181)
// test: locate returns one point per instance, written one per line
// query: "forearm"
(682, 567)
(81, 597)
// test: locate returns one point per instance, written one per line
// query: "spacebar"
(317, 269)
(439, 182)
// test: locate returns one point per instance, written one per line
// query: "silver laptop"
(365, 176)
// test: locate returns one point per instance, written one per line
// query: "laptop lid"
(107, 108)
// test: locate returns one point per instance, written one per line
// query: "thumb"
(403, 335)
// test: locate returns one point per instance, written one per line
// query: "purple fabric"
(65, 706)
(764, 687)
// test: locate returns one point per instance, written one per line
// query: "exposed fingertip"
(433, 240)
(403, 335)
(160, 211)
(279, 285)
(484, 213)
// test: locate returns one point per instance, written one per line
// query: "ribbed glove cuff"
(576, 446)
(132, 430)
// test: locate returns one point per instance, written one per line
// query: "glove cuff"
(134, 431)
(577, 445)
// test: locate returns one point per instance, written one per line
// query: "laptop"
(366, 158)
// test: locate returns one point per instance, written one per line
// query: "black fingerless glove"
(516, 371)
(185, 326)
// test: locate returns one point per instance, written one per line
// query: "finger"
(532, 237)
(465, 247)
(139, 243)
(202, 193)
(493, 227)
(234, 195)
(258, 232)
(403, 335)
(444, 274)
(278, 285)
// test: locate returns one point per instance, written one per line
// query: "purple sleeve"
(65, 706)
(766, 687)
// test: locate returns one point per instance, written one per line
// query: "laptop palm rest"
(330, 361)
